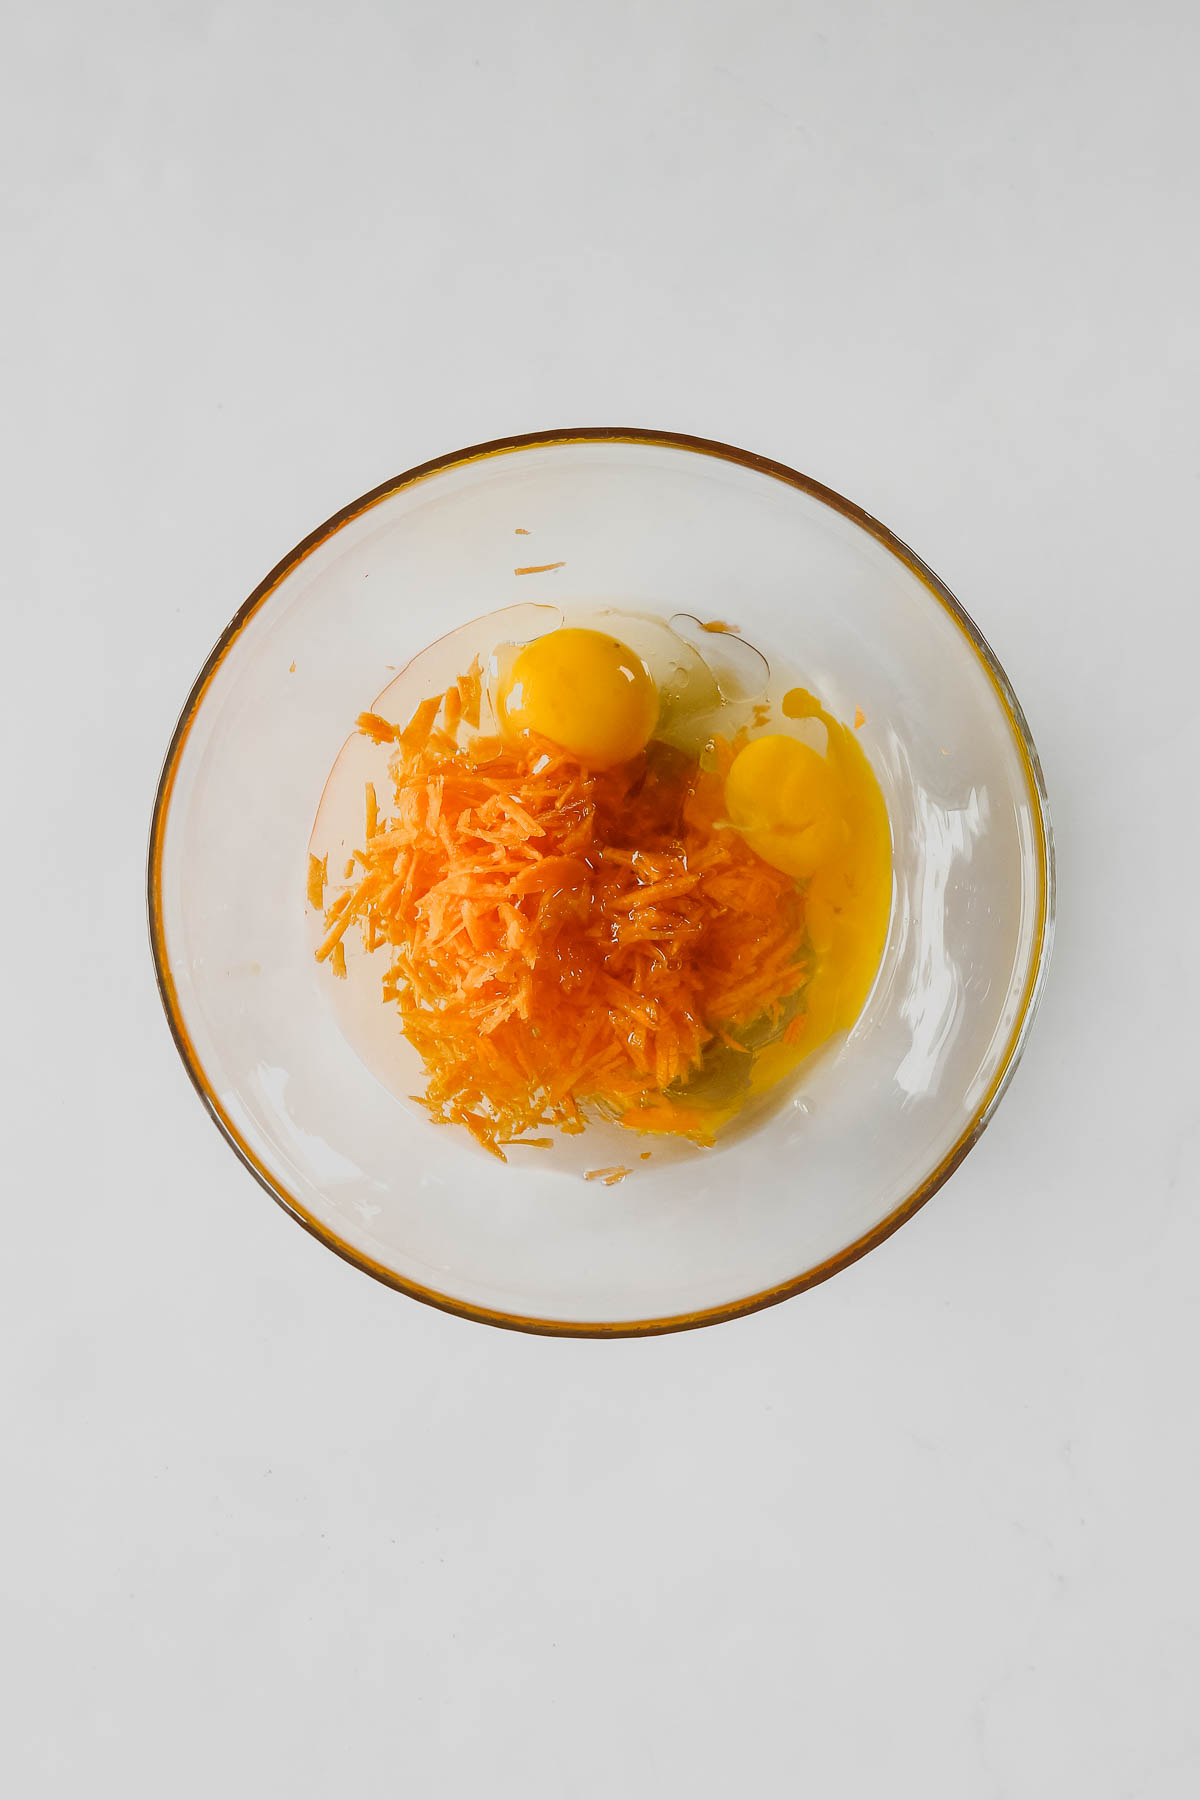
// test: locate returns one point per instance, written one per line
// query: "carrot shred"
(317, 875)
(470, 693)
(337, 961)
(343, 912)
(560, 937)
(373, 726)
(416, 733)
(860, 718)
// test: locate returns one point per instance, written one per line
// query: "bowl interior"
(657, 526)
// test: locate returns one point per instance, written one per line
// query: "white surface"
(928, 1530)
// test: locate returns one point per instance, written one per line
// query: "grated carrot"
(470, 693)
(416, 733)
(373, 726)
(561, 937)
(860, 718)
(317, 876)
(342, 914)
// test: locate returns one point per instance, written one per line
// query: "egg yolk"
(783, 798)
(584, 691)
(822, 819)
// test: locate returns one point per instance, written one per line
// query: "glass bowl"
(658, 523)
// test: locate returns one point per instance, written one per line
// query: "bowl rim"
(1035, 977)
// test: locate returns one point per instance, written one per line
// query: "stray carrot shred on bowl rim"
(562, 937)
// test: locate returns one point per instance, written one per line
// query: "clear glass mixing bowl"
(656, 523)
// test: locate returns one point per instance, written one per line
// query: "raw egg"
(784, 798)
(583, 690)
(822, 818)
(603, 685)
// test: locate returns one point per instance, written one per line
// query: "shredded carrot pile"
(560, 937)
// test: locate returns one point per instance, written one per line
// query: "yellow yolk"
(783, 797)
(822, 819)
(584, 691)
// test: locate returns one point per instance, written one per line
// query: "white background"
(928, 1530)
